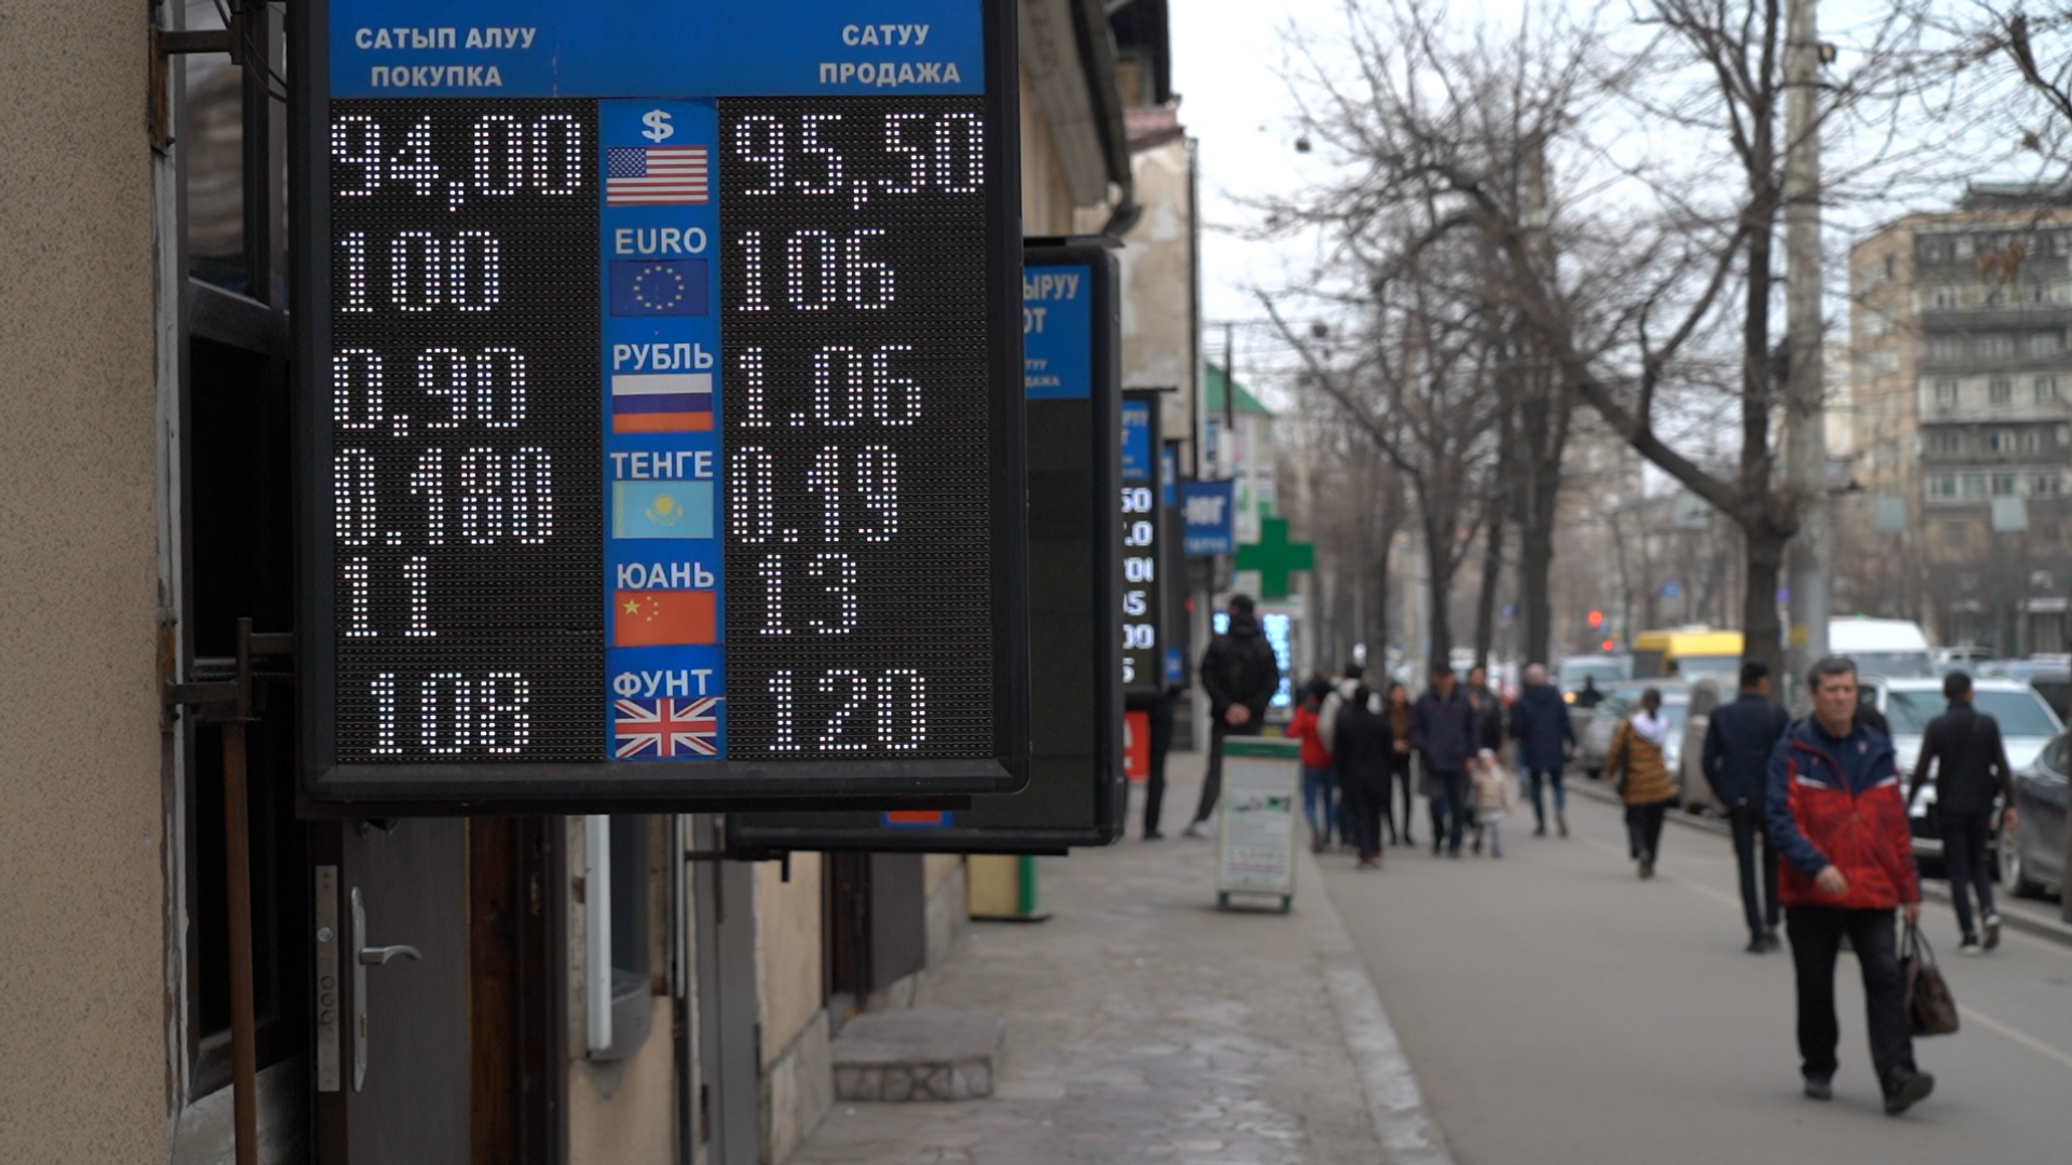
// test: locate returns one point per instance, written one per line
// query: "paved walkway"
(1145, 1025)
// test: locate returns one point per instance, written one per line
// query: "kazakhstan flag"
(661, 509)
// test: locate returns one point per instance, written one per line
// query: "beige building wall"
(1046, 201)
(83, 1021)
(1157, 277)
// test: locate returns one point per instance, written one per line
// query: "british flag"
(654, 729)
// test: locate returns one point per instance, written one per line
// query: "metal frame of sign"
(1095, 799)
(330, 788)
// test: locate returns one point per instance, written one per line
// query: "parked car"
(1885, 647)
(1618, 705)
(2027, 724)
(1684, 652)
(1949, 659)
(1707, 693)
(2050, 676)
(2032, 855)
(1608, 671)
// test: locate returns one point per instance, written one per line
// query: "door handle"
(379, 956)
(367, 957)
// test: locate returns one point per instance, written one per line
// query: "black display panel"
(659, 437)
(859, 621)
(1143, 547)
(1076, 794)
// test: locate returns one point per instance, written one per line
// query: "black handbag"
(1931, 1009)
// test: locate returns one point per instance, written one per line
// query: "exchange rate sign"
(658, 399)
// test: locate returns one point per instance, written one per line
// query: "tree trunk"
(1492, 575)
(1535, 574)
(1762, 632)
(1439, 568)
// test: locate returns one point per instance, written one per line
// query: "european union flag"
(661, 287)
(661, 509)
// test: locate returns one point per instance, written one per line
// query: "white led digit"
(428, 481)
(449, 375)
(417, 580)
(750, 366)
(359, 583)
(476, 280)
(870, 281)
(831, 179)
(413, 163)
(352, 493)
(836, 394)
(752, 272)
(428, 713)
(560, 160)
(500, 154)
(356, 141)
(822, 268)
(891, 686)
(896, 142)
(780, 709)
(895, 400)
(356, 369)
(824, 477)
(500, 387)
(754, 494)
(530, 477)
(512, 704)
(859, 686)
(383, 689)
(416, 269)
(877, 480)
(1139, 534)
(770, 153)
(960, 153)
(352, 262)
(481, 496)
(1137, 569)
(771, 571)
(840, 572)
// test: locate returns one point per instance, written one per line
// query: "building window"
(1971, 485)
(2046, 388)
(1942, 485)
(1946, 442)
(2046, 485)
(2003, 485)
(1946, 392)
(1891, 266)
(2001, 440)
(2001, 392)
(2042, 343)
(1946, 348)
(2032, 440)
(1995, 347)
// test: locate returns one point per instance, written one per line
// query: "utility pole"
(1805, 412)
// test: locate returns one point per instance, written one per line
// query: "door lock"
(379, 956)
(365, 957)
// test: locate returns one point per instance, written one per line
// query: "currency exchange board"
(659, 399)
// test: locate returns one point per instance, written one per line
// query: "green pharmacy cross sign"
(1275, 558)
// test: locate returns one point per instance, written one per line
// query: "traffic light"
(1607, 645)
(1597, 618)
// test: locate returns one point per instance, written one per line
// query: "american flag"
(655, 176)
(666, 727)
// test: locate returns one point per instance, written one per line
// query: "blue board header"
(1058, 332)
(1206, 506)
(658, 48)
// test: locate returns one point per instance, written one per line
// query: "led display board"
(1077, 449)
(657, 400)
(1144, 540)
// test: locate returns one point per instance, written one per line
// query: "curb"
(2017, 917)
(1403, 1124)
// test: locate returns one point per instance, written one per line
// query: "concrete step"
(921, 1054)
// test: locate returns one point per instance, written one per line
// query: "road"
(1554, 1006)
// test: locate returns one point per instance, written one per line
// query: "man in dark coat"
(1446, 730)
(1240, 675)
(1539, 722)
(1362, 746)
(1738, 744)
(1971, 769)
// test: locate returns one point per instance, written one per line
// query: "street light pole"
(1805, 420)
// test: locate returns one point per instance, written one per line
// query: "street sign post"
(1076, 793)
(656, 398)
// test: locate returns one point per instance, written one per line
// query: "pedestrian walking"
(1493, 802)
(1489, 709)
(1327, 717)
(1240, 675)
(1445, 729)
(1635, 763)
(1971, 769)
(1319, 782)
(1396, 706)
(1546, 739)
(1589, 695)
(1836, 814)
(1160, 715)
(1363, 748)
(1738, 744)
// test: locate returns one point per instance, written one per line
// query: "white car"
(2027, 724)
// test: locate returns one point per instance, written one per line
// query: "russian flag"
(662, 402)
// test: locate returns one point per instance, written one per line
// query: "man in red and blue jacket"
(1838, 816)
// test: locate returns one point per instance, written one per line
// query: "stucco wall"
(1046, 203)
(788, 924)
(82, 1007)
(1157, 312)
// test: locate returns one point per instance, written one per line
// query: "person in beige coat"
(1493, 802)
(1635, 764)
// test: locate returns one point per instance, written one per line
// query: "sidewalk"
(1145, 1025)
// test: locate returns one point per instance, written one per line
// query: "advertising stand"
(1255, 842)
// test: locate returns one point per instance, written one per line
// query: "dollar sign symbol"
(658, 126)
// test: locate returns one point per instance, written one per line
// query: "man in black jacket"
(1738, 743)
(1446, 730)
(1240, 676)
(1970, 769)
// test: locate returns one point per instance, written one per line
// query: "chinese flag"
(663, 618)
